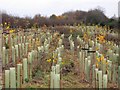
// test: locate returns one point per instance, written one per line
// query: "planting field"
(60, 57)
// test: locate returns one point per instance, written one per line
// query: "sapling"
(30, 64)
(93, 72)
(25, 70)
(19, 81)
(96, 77)
(13, 55)
(100, 78)
(12, 77)
(105, 81)
(57, 81)
(88, 69)
(57, 69)
(20, 51)
(7, 79)
(4, 56)
(26, 48)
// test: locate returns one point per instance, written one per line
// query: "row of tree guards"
(19, 53)
(55, 74)
(99, 66)
(21, 50)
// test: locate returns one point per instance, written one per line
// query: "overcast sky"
(48, 7)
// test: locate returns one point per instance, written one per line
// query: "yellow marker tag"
(54, 60)
(102, 57)
(98, 59)
(11, 31)
(49, 60)
(97, 65)
(7, 27)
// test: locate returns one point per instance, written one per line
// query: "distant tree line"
(95, 16)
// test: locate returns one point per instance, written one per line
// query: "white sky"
(48, 7)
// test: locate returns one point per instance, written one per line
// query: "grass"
(41, 80)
